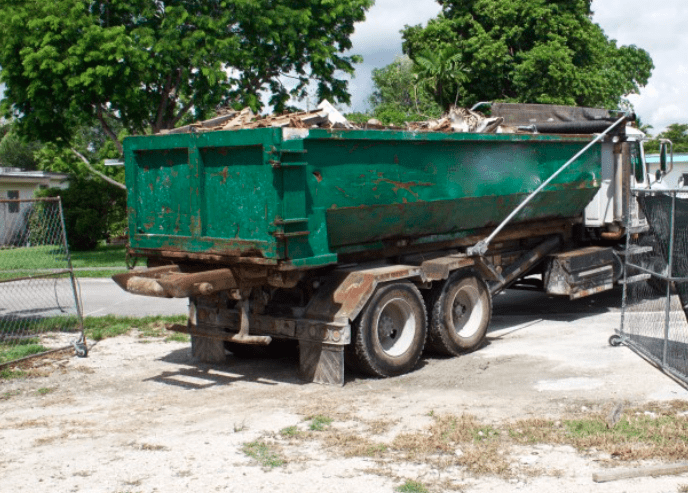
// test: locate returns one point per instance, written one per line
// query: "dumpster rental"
(369, 244)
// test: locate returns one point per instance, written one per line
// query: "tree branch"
(181, 113)
(162, 109)
(108, 130)
(96, 172)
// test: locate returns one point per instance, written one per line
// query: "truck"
(369, 246)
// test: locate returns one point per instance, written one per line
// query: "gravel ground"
(139, 415)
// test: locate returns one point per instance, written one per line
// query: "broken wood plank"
(616, 474)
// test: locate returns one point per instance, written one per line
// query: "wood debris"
(327, 116)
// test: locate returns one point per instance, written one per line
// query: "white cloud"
(659, 28)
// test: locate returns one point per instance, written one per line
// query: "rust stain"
(223, 174)
(396, 159)
(344, 193)
(398, 185)
(174, 173)
(170, 162)
(150, 185)
(318, 176)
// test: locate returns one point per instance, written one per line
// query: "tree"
(398, 95)
(442, 74)
(146, 66)
(532, 51)
(677, 133)
(15, 151)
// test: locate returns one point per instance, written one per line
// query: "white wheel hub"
(396, 326)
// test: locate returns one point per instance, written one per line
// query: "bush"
(93, 210)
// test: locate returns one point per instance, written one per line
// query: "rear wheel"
(461, 311)
(389, 335)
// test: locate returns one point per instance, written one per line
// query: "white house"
(18, 184)
(678, 177)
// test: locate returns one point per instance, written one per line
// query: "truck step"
(638, 278)
(635, 250)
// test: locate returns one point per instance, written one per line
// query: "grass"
(412, 487)
(10, 374)
(26, 348)
(262, 453)
(44, 391)
(290, 432)
(319, 422)
(651, 432)
(659, 432)
(22, 262)
(99, 328)
(96, 329)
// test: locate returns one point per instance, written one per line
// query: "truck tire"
(461, 311)
(389, 334)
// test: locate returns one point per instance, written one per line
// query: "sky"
(659, 27)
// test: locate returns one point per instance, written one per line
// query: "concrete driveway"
(101, 296)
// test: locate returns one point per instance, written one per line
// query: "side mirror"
(666, 147)
(663, 157)
(658, 175)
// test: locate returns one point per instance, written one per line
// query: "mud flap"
(321, 363)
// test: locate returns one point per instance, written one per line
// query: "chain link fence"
(654, 317)
(39, 302)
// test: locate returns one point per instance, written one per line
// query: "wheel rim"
(396, 327)
(467, 311)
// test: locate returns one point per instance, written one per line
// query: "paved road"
(104, 297)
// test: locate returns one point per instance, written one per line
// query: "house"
(18, 184)
(676, 178)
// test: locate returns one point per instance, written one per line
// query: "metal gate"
(39, 302)
(654, 316)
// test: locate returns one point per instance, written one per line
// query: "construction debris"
(327, 116)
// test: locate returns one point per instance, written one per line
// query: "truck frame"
(372, 286)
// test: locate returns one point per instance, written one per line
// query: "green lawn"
(19, 262)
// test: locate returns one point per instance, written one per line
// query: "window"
(13, 206)
(684, 180)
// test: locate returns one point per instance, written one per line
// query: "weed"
(261, 452)
(10, 373)
(319, 422)
(289, 432)
(22, 350)
(683, 488)
(412, 487)
(239, 427)
(178, 337)
(7, 395)
(44, 391)
(98, 328)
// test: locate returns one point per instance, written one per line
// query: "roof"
(678, 158)
(17, 174)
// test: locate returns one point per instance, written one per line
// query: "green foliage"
(677, 133)
(399, 95)
(442, 74)
(137, 66)
(412, 487)
(15, 151)
(98, 328)
(530, 51)
(290, 432)
(263, 454)
(93, 210)
(11, 353)
(319, 422)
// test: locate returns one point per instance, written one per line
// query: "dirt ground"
(139, 415)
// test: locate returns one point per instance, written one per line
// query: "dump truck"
(369, 246)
